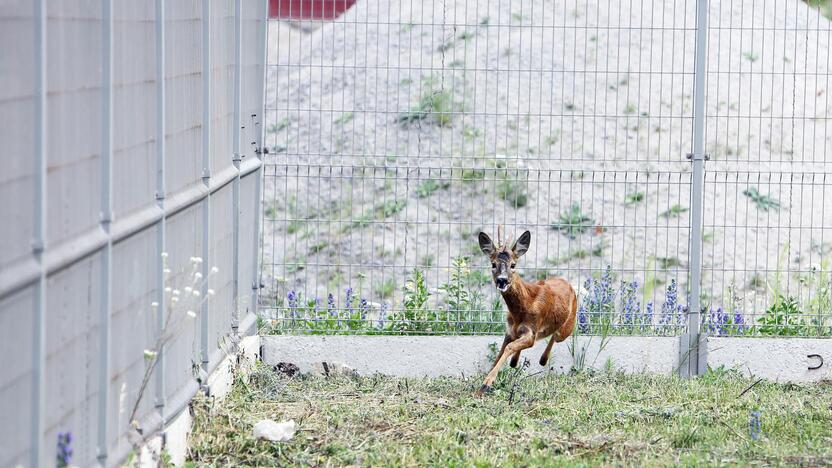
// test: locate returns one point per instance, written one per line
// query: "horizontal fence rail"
(399, 130)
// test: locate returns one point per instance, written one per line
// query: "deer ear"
(522, 244)
(486, 245)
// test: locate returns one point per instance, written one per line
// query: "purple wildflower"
(330, 304)
(292, 299)
(363, 306)
(647, 319)
(583, 320)
(630, 305)
(349, 300)
(670, 307)
(382, 315)
(755, 426)
(64, 452)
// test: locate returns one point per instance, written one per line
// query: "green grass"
(585, 419)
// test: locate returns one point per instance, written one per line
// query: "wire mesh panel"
(767, 242)
(401, 129)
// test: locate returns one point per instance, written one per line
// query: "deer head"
(504, 258)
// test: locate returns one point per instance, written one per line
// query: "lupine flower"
(630, 305)
(739, 322)
(292, 299)
(349, 300)
(755, 426)
(382, 315)
(583, 320)
(315, 309)
(670, 307)
(599, 300)
(363, 306)
(330, 305)
(64, 452)
(647, 320)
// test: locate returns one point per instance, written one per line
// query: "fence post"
(260, 151)
(161, 190)
(236, 158)
(39, 239)
(105, 223)
(206, 176)
(692, 359)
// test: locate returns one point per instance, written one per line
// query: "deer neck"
(516, 295)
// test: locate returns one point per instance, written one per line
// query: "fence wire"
(401, 129)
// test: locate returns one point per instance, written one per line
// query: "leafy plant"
(386, 288)
(573, 221)
(344, 118)
(633, 198)
(782, 318)
(513, 191)
(436, 104)
(429, 187)
(763, 202)
(673, 212)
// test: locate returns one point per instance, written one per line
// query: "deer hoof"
(544, 360)
(482, 391)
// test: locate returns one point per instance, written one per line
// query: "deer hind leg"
(525, 341)
(544, 358)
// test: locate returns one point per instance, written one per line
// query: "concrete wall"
(420, 356)
(779, 359)
(129, 129)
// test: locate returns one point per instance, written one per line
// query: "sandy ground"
(538, 106)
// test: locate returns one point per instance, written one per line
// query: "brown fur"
(536, 310)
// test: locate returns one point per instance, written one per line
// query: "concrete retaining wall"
(780, 359)
(431, 356)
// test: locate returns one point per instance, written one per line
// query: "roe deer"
(535, 310)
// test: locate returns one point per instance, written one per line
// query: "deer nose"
(501, 282)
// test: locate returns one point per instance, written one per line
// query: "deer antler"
(500, 235)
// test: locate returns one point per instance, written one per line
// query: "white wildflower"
(164, 255)
(191, 314)
(196, 293)
(149, 354)
(175, 292)
(214, 269)
(210, 292)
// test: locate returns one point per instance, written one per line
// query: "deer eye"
(513, 265)
(494, 265)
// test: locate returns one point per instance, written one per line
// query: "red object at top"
(308, 9)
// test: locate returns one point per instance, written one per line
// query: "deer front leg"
(525, 341)
(506, 341)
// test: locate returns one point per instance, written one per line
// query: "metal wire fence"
(401, 129)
